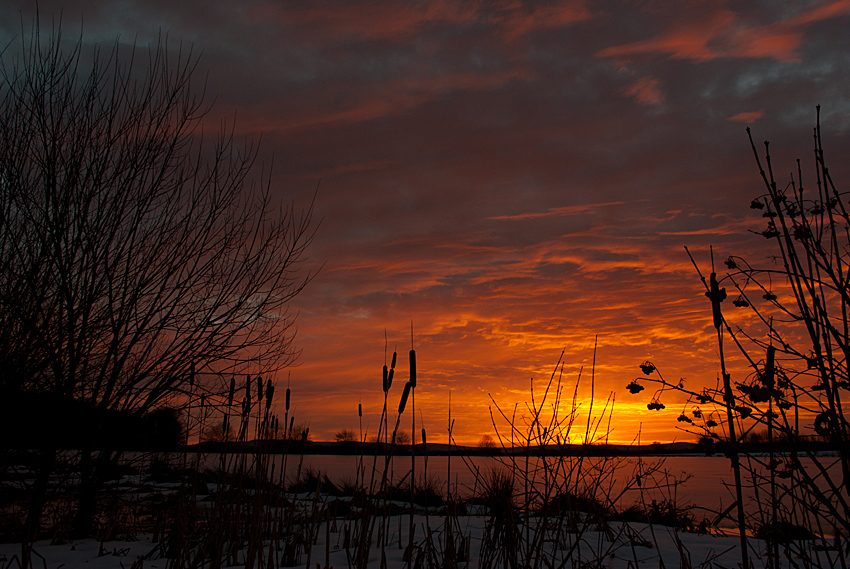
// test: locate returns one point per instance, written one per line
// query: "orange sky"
(514, 178)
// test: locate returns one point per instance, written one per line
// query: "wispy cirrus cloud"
(401, 21)
(720, 32)
(556, 211)
(747, 117)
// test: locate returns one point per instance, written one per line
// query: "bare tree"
(345, 436)
(486, 442)
(402, 438)
(140, 263)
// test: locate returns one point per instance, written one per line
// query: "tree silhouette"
(789, 322)
(139, 262)
(486, 442)
(345, 436)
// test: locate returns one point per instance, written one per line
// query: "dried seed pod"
(287, 399)
(392, 365)
(359, 409)
(269, 393)
(404, 397)
(412, 368)
(232, 391)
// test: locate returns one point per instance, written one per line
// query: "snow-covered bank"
(616, 545)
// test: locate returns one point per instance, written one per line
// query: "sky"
(511, 180)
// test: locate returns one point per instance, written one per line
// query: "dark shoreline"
(600, 450)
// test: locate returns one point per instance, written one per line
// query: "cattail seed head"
(413, 368)
(269, 394)
(392, 365)
(287, 399)
(359, 409)
(232, 392)
(424, 440)
(404, 397)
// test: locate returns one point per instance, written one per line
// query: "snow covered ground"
(611, 545)
(618, 546)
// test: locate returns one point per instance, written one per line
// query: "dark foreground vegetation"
(789, 322)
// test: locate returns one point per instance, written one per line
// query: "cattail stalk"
(412, 384)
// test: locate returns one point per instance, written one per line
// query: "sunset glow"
(511, 179)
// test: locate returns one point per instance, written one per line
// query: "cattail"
(291, 425)
(269, 394)
(287, 399)
(413, 368)
(390, 378)
(392, 365)
(404, 397)
(232, 391)
(424, 440)
(246, 405)
(247, 398)
(386, 386)
(259, 389)
(359, 409)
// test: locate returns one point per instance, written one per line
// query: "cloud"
(646, 91)
(556, 212)
(395, 21)
(719, 32)
(514, 177)
(747, 117)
